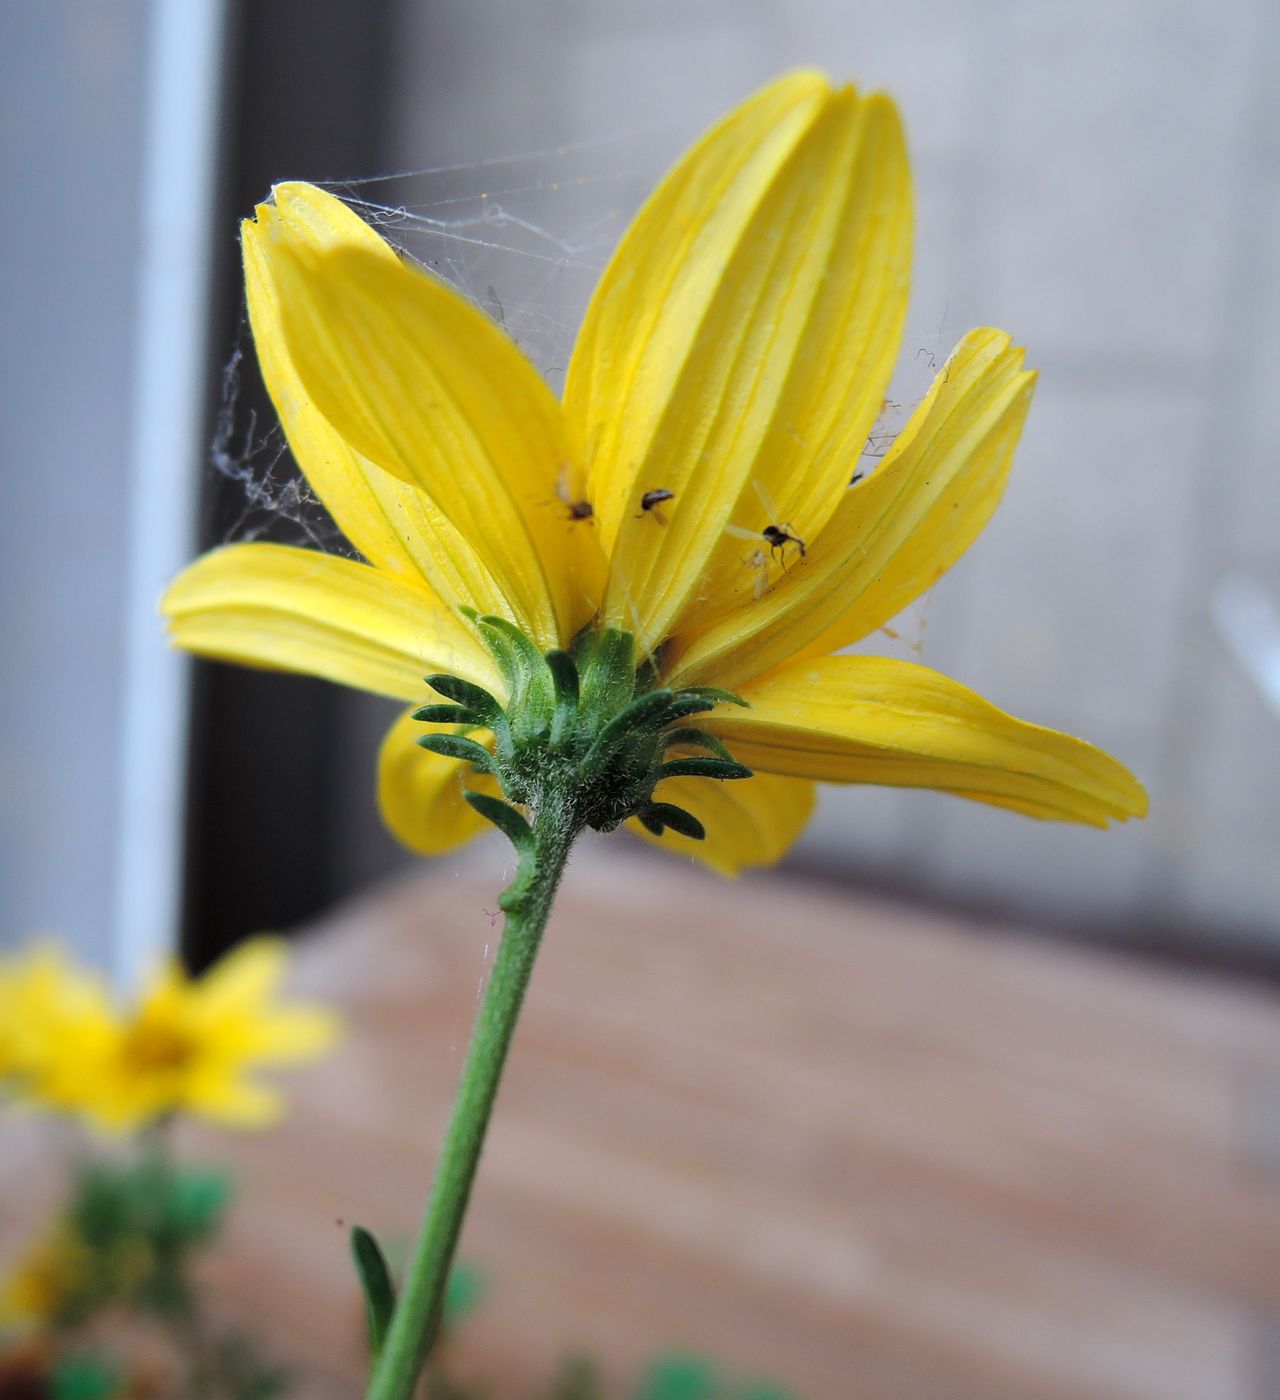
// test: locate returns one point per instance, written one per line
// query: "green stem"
(418, 1308)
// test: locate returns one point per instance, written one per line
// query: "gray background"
(1097, 178)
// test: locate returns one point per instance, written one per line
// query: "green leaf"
(658, 815)
(375, 1283)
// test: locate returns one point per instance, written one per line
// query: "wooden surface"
(832, 1141)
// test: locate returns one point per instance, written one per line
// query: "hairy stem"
(418, 1308)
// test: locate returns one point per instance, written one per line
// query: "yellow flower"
(191, 1044)
(187, 1047)
(693, 488)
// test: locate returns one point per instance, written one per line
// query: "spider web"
(523, 237)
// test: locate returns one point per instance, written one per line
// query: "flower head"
(685, 522)
(190, 1045)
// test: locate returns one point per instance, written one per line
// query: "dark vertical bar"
(307, 98)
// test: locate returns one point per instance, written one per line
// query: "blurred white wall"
(71, 111)
(1100, 179)
(108, 114)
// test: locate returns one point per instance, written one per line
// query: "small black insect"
(650, 502)
(578, 509)
(856, 477)
(778, 539)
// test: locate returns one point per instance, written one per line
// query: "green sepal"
(608, 673)
(473, 697)
(456, 746)
(526, 672)
(564, 677)
(703, 768)
(518, 831)
(697, 738)
(686, 703)
(657, 816)
(375, 1283)
(508, 821)
(718, 696)
(448, 714)
(646, 713)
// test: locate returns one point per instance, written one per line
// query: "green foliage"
(139, 1224)
(84, 1378)
(463, 1294)
(134, 1230)
(680, 1377)
(375, 1283)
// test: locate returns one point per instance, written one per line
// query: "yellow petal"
(236, 1103)
(749, 822)
(385, 519)
(297, 610)
(393, 524)
(893, 535)
(423, 384)
(738, 347)
(420, 793)
(291, 1034)
(245, 976)
(866, 719)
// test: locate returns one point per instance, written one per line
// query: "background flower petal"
(738, 347)
(892, 537)
(426, 386)
(867, 719)
(420, 793)
(291, 609)
(749, 822)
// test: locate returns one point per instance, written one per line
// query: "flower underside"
(694, 504)
(583, 723)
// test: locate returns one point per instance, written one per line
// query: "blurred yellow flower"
(190, 1045)
(697, 488)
